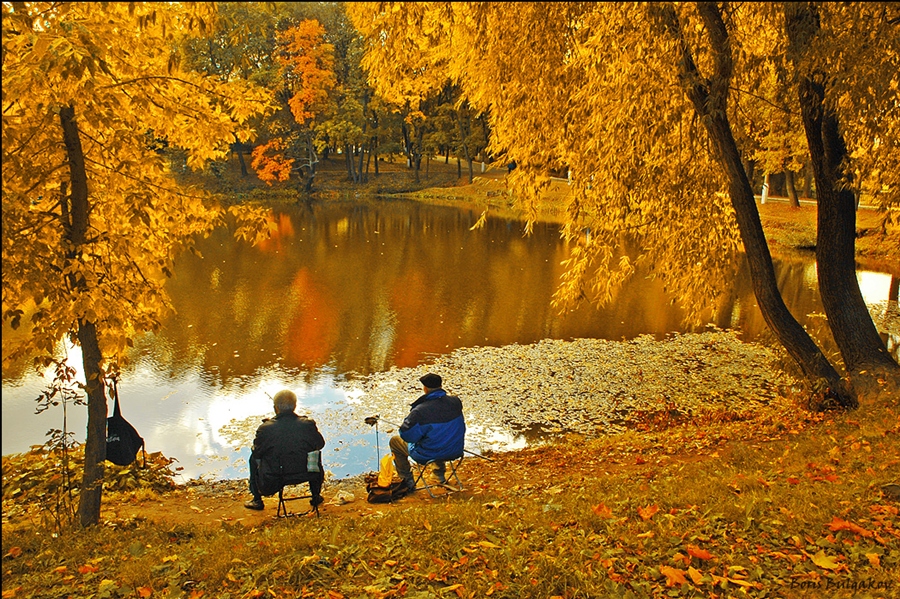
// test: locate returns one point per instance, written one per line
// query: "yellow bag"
(386, 471)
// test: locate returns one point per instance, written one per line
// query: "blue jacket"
(435, 428)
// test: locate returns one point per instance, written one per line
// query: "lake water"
(356, 287)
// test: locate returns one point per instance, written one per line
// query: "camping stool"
(452, 465)
(282, 501)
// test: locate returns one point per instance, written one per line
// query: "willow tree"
(92, 218)
(634, 100)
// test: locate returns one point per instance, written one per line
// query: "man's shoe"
(410, 485)
(317, 501)
(255, 504)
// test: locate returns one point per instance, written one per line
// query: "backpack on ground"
(384, 486)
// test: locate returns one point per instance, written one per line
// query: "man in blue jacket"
(433, 430)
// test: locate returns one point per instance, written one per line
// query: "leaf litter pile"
(585, 386)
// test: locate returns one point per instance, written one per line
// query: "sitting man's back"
(281, 453)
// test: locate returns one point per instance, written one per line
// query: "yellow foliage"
(112, 65)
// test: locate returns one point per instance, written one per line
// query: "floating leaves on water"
(583, 386)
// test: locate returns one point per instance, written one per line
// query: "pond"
(349, 288)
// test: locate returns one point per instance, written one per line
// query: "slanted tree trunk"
(791, 190)
(865, 355)
(709, 97)
(76, 232)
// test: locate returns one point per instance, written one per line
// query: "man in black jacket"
(282, 449)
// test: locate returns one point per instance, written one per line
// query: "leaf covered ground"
(770, 502)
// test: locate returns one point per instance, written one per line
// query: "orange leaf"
(14, 552)
(60, 570)
(874, 559)
(85, 569)
(9, 594)
(695, 575)
(648, 512)
(390, 563)
(197, 593)
(673, 575)
(839, 524)
(793, 480)
(144, 591)
(602, 510)
(427, 525)
(699, 553)
(335, 595)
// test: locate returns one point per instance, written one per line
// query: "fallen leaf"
(839, 524)
(602, 510)
(699, 553)
(10, 593)
(488, 545)
(648, 512)
(793, 480)
(874, 559)
(390, 563)
(87, 568)
(197, 593)
(14, 552)
(144, 592)
(60, 569)
(695, 575)
(823, 561)
(427, 525)
(673, 575)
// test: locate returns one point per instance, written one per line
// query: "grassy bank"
(768, 503)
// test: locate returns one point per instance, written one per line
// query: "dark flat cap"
(432, 381)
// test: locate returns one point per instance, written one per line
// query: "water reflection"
(362, 287)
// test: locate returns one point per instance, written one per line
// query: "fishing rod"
(373, 421)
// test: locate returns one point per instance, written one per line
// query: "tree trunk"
(791, 190)
(709, 98)
(76, 235)
(243, 164)
(749, 167)
(348, 157)
(313, 160)
(807, 181)
(865, 355)
(464, 131)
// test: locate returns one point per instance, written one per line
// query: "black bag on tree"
(122, 440)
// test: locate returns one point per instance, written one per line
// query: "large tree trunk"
(710, 97)
(861, 347)
(76, 234)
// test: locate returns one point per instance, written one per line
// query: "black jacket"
(281, 446)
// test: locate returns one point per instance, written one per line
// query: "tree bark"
(76, 234)
(807, 181)
(791, 190)
(865, 355)
(710, 97)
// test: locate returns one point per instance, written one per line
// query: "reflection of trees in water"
(362, 287)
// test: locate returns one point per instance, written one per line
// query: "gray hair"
(285, 401)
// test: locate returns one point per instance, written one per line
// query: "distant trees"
(590, 87)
